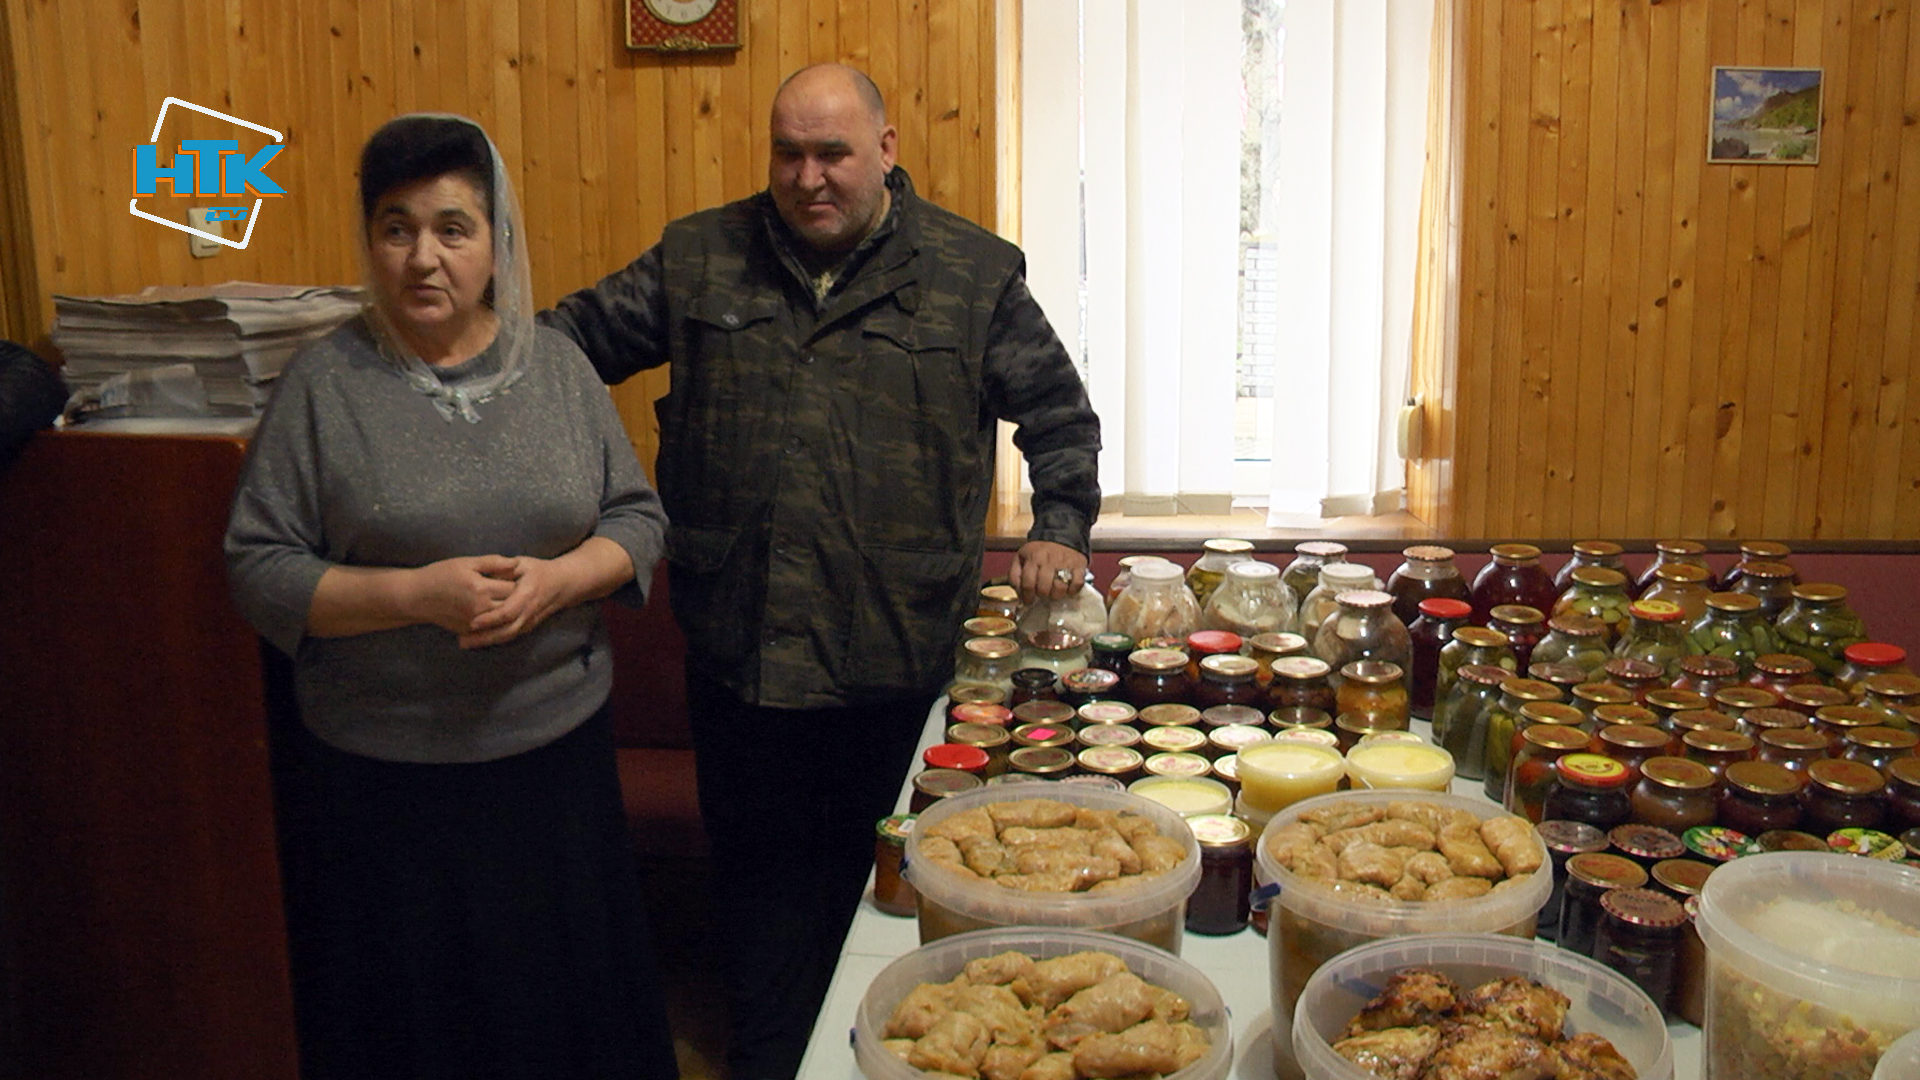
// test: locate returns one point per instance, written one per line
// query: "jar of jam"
(1033, 684)
(1350, 728)
(1460, 719)
(1599, 594)
(1524, 626)
(1666, 701)
(1878, 746)
(1219, 716)
(1589, 553)
(1044, 762)
(891, 892)
(1903, 794)
(1228, 679)
(1865, 659)
(1374, 689)
(990, 739)
(1427, 573)
(1644, 844)
(1472, 645)
(1088, 684)
(1819, 625)
(1589, 788)
(1177, 764)
(1843, 794)
(1680, 877)
(1757, 722)
(1043, 734)
(1622, 713)
(1674, 553)
(1796, 748)
(1122, 764)
(1637, 676)
(1835, 721)
(1674, 794)
(1633, 744)
(1167, 714)
(1204, 643)
(1512, 576)
(1590, 876)
(1810, 698)
(1789, 840)
(1775, 672)
(1298, 717)
(1564, 840)
(1304, 681)
(1639, 937)
(1174, 740)
(1503, 721)
(1759, 797)
(1107, 713)
(1429, 633)
(1753, 551)
(1717, 749)
(1682, 724)
(1110, 652)
(1155, 676)
(932, 785)
(1266, 648)
(1707, 675)
(1532, 775)
(1656, 634)
(1052, 713)
(1892, 696)
(1218, 904)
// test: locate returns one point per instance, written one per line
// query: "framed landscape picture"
(1765, 116)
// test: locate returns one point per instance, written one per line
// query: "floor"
(684, 930)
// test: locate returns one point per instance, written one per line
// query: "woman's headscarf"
(510, 295)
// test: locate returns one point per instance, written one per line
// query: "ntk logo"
(205, 167)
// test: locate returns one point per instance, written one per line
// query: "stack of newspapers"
(207, 350)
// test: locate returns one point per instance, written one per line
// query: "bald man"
(840, 350)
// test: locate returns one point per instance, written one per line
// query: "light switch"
(199, 217)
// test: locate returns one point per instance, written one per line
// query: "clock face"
(681, 12)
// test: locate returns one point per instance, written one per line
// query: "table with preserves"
(1237, 964)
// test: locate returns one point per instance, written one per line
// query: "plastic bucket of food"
(1312, 921)
(1813, 964)
(954, 900)
(1600, 1000)
(947, 958)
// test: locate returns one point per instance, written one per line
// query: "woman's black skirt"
(470, 920)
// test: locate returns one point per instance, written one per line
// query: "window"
(1219, 207)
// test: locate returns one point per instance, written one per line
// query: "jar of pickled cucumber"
(1892, 696)
(1771, 583)
(1472, 645)
(1460, 718)
(1210, 569)
(1502, 722)
(1655, 635)
(1684, 584)
(1524, 626)
(1303, 573)
(1427, 573)
(1753, 551)
(1733, 629)
(1866, 659)
(1672, 552)
(1599, 594)
(1819, 625)
(1589, 553)
(1574, 639)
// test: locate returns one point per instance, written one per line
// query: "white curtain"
(1131, 145)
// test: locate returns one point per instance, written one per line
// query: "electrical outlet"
(198, 217)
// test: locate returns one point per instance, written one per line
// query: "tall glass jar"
(1110, 651)
(1532, 776)
(1363, 628)
(1430, 632)
(1427, 572)
(1303, 573)
(1591, 789)
(1156, 603)
(1472, 645)
(1668, 552)
(1599, 594)
(1335, 578)
(1302, 682)
(1574, 639)
(1266, 648)
(1732, 628)
(1753, 551)
(1124, 575)
(1819, 625)
(1588, 553)
(1869, 658)
(1502, 723)
(1082, 613)
(987, 661)
(1374, 690)
(1057, 650)
(1460, 718)
(1512, 576)
(1674, 794)
(1209, 571)
(1892, 696)
(1684, 584)
(1842, 794)
(1777, 671)
(1524, 626)
(1759, 796)
(1251, 600)
(1771, 583)
(1156, 677)
(1655, 635)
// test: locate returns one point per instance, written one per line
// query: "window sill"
(1186, 532)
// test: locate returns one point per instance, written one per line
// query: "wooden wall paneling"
(1505, 482)
(1619, 386)
(1905, 295)
(1766, 357)
(1877, 431)
(854, 36)
(1735, 350)
(1539, 479)
(943, 142)
(709, 176)
(1664, 467)
(1710, 283)
(1640, 429)
(916, 136)
(1571, 461)
(1845, 395)
(1817, 386)
(1482, 243)
(823, 30)
(1780, 478)
(19, 274)
(742, 129)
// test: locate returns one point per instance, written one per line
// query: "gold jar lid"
(1552, 713)
(1276, 644)
(1227, 545)
(1625, 712)
(985, 695)
(1599, 577)
(1700, 720)
(1764, 778)
(1745, 698)
(1674, 701)
(1634, 737)
(1815, 696)
(1226, 715)
(1110, 760)
(1320, 549)
(1220, 832)
(1479, 637)
(1301, 668)
(1683, 876)
(1177, 764)
(1555, 737)
(1682, 573)
(992, 648)
(1530, 690)
(1515, 615)
(1043, 711)
(1797, 738)
(1733, 603)
(1175, 740)
(1107, 735)
(1844, 777)
(1680, 547)
(1041, 760)
(1765, 549)
(1842, 717)
(1363, 598)
(1234, 738)
(1485, 674)
(1762, 568)
(1626, 667)
(1001, 594)
(1892, 685)
(1574, 624)
(1597, 549)
(1428, 553)
(1170, 714)
(1372, 672)
(1230, 667)
(941, 783)
(1677, 773)
(1709, 667)
(1042, 735)
(1716, 741)
(1602, 693)
(1773, 719)
(1882, 738)
(1820, 592)
(1514, 553)
(1106, 712)
(989, 626)
(1158, 661)
(984, 736)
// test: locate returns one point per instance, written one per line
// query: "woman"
(432, 506)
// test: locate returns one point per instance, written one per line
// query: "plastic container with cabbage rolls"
(1902, 1059)
(1309, 924)
(1601, 1001)
(1153, 910)
(944, 959)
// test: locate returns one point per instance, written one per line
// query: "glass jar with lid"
(1427, 573)
(1228, 679)
(1303, 573)
(1362, 627)
(1681, 724)
(1044, 714)
(1524, 626)
(1757, 722)
(1769, 583)
(1266, 648)
(1562, 675)
(1124, 575)
(1753, 551)
(1472, 645)
(1796, 748)
(1647, 845)
(1666, 701)
(1683, 584)
(1707, 675)
(1082, 612)
(1590, 876)
(1204, 643)
(1375, 690)
(1575, 639)
(1107, 713)
(1637, 676)
(1512, 576)
(1460, 718)
(1868, 658)
(1175, 740)
(1110, 651)
(1002, 601)
(1532, 776)
(1156, 676)
(1564, 840)
(1219, 904)
(1082, 685)
(1056, 649)
(1589, 788)
(1842, 794)
(1155, 603)
(1251, 600)
(1599, 594)
(1835, 721)
(1298, 716)
(987, 661)
(1760, 796)
(990, 626)
(1878, 746)
(1503, 721)
(1602, 553)
(1622, 713)
(1819, 625)
(1903, 793)
(1892, 696)
(1674, 553)
(1032, 684)
(1304, 682)
(1737, 701)
(1209, 571)
(1777, 671)
(1655, 635)
(1323, 601)
(1810, 698)
(1639, 937)
(1731, 629)
(1633, 745)
(1674, 793)
(1430, 632)
(1717, 749)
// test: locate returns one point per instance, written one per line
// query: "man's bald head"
(811, 76)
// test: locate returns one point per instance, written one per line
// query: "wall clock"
(679, 26)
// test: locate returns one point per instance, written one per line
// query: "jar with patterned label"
(1671, 553)
(1655, 635)
(1512, 576)
(1604, 553)
(1589, 788)
(1427, 573)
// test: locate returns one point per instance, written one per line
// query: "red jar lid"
(1591, 771)
(1208, 642)
(955, 756)
(1443, 607)
(1875, 654)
